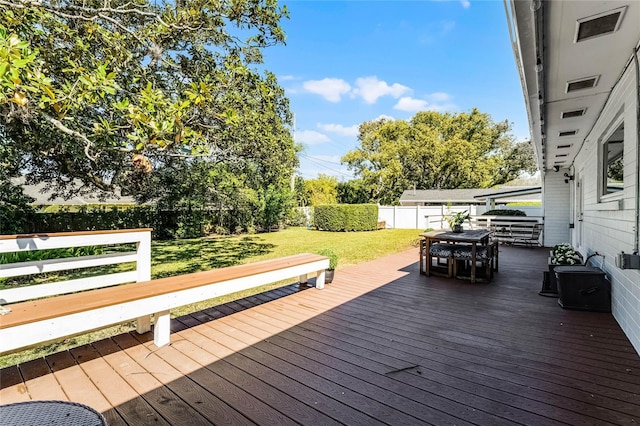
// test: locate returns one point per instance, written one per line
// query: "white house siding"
(555, 197)
(608, 227)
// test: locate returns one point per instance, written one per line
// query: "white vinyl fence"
(423, 217)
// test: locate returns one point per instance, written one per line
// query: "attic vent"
(564, 146)
(567, 133)
(561, 155)
(584, 83)
(574, 113)
(597, 25)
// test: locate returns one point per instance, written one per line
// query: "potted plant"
(456, 220)
(333, 263)
(561, 254)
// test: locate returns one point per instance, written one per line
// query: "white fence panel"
(423, 217)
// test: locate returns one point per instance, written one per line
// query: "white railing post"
(143, 262)
(143, 269)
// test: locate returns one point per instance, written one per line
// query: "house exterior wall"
(609, 225)
(555, 194)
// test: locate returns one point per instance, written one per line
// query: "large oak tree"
(437, 151)
(107, 92)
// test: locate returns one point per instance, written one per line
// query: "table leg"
(421, 252)
(427, 257)
(473, 263)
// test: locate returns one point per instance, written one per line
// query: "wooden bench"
(511, 229)
(40, 321)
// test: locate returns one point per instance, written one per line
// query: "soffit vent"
(575, 113)
(561, 155)
(564, 146)
(597, 25)
(568, 133)
(583, 83)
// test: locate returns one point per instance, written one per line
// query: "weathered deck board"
(381, 345)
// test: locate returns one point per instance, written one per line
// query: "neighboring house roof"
(42, 196)
(510, 193)
(467, 196)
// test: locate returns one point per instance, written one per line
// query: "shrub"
(332, 255)
(296, 217)
(565, 254)
(504, 212)
(346, 217)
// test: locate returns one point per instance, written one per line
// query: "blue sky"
(347, 62)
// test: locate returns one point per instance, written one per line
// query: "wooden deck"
(382, 344)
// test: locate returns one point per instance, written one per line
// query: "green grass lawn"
(184, 256)
(176, 257)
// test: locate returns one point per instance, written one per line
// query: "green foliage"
(332, 255)
(124, 95)
(346, 217)
(436, 151)
(15, 210)
(296, 217)
(457, 218)
(25, 256)
(505, 212)
(322, 190)
(352, 192)
(275, 204)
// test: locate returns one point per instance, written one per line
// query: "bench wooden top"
(43, 309)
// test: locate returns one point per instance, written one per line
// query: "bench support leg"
(161, 329)
(320, 280)
(303, 279)
(143, 324)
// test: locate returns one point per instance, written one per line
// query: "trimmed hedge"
(504, 213)
(166, 224)
(346, 217)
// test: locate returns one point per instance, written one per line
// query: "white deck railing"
(29, 242)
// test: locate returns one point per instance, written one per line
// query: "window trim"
(603, 196)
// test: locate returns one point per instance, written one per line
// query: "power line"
(328, 168)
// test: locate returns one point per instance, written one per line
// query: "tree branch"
(64, 129)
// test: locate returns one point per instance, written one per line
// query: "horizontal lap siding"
(611, 231)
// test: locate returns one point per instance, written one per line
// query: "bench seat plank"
(44, 309)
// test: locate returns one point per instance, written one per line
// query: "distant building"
(469, 197)
(43, 196)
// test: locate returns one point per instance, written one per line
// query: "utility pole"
(293, 176)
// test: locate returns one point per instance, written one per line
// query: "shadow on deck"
(381, 345)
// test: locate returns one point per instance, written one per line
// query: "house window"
(613, 162)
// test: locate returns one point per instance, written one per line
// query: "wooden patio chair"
(528, 237)
(443, 254)
(485, 256)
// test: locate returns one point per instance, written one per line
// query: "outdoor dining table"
(474, 237)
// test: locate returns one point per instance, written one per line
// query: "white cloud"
(438, 97)
(370, 89)
(331, 89)
(438, 101)
(411, 104)
(311, 137)
(339, 129)
(383, 117)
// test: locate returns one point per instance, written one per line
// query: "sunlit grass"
(170, 258)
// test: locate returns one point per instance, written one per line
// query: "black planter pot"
(457, 228)
(328, 276)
